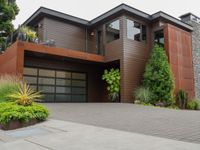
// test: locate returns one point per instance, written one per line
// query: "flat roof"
(42, 11)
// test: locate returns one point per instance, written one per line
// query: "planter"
(15, 124)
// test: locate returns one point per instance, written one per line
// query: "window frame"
(141, 30)
(116, 19)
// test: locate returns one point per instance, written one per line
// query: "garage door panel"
(63, 82)
(31, 80)
(63, 74)
(49, 97)
(63, 98)
(63, 90)
(46, 81)
(46, 89)
(46, 73)
(58, 86)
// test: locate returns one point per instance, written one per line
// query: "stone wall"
(196, 55)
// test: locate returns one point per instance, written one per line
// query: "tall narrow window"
(112, 31)
(159, 37)
(136, 31)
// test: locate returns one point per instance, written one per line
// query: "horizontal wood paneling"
(65, 35)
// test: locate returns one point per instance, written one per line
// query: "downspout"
(86, 39)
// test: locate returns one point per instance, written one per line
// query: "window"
(136, 31)
(159, 37)
(112, 31)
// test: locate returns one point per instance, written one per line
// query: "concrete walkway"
(180, 125)
(62, 135)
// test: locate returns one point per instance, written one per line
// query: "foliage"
(10, 111)
(8, 85)
(143, 94)
(193, 104)
(158, 77)
(182, 99)
(25, 95)
(112, 78)
(30, 34)
(8, 11)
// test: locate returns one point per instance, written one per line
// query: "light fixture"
(92, 34)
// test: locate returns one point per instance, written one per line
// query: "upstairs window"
(159, 38)
(136, 31)
(112, 31)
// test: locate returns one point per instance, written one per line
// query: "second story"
(109, 34)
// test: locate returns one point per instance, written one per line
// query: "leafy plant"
(182, 99)
(10, 111)
(8, 11)
(158, 77)
(30, 35)
(8, 85)
(143, 95)
(193, 104)
(112, 78)
(25, 95)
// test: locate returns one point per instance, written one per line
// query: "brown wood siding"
(179, 48)
(65, 35)
(40, 30)
(135, 56)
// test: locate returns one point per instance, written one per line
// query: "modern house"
(71, 69)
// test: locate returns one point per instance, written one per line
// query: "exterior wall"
(66, 35)
(179, 48)
(135, 56)
(94, 72)
(196, 54)
(40, 30)
(11, 61)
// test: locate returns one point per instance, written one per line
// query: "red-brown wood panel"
(179, 49)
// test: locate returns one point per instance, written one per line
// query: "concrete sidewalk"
(62, 135)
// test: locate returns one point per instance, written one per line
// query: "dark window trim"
(141, 23)
(113, 20)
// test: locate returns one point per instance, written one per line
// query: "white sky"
(89, 9)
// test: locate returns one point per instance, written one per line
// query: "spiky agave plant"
(25, 95)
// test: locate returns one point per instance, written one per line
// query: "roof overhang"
(42, 12)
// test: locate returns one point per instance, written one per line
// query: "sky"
(90, 9)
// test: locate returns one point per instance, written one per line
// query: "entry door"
(57, 86)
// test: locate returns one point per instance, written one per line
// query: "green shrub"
(143, 95)
(182, 99)
(193, 105)
(112, 78)
(8, 85)
(31, 35)
(10, 111)
(158, 77)
(25, 95)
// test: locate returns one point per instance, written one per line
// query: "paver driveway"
(173, 124)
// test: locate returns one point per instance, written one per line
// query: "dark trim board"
(42, 12)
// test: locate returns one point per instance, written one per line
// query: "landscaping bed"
(13, 116)
(17, 104)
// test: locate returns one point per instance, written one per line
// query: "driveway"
(166, 123)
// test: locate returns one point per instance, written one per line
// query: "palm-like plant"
(25, 95)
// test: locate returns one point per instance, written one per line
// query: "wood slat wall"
(65, 35)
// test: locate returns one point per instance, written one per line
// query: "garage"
(58, 85)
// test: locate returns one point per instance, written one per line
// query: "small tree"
(158, 77)
(8, 11)
(112, 78)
